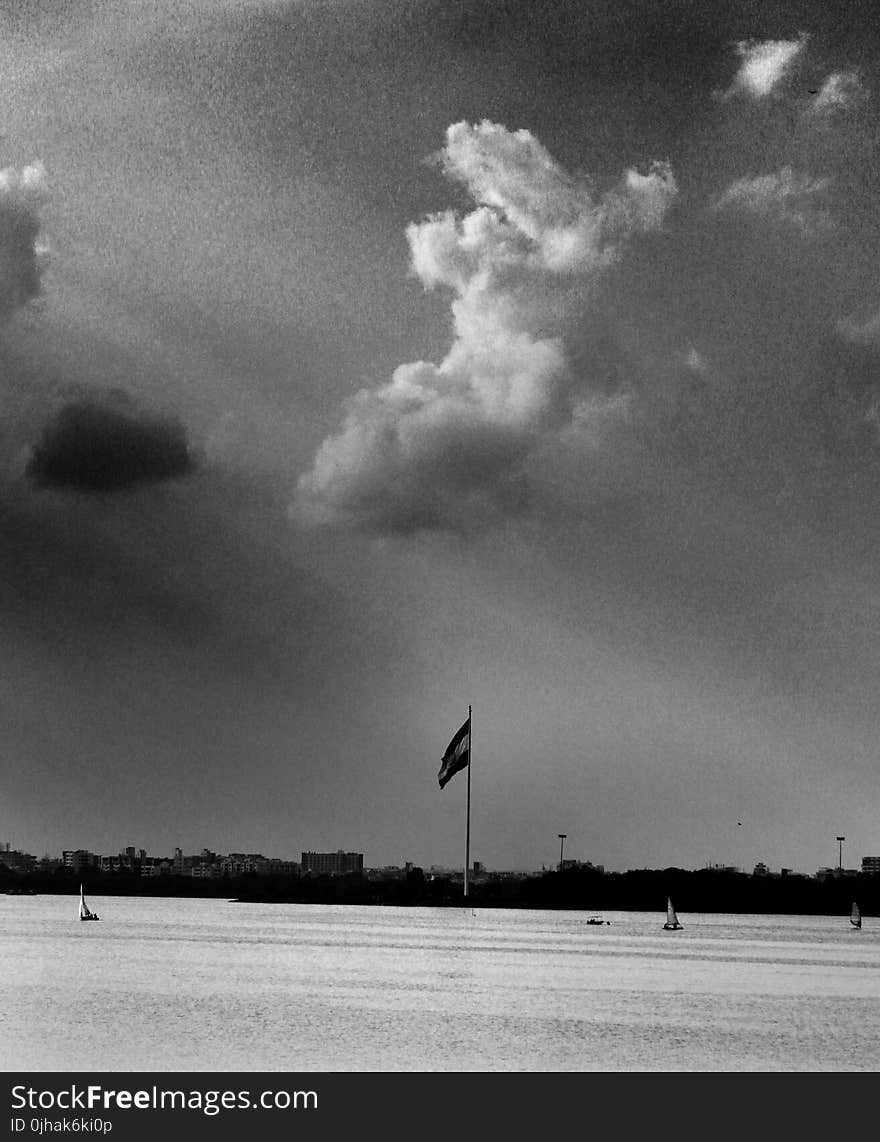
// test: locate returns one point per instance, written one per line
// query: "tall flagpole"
(467, 843)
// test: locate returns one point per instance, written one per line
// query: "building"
(78, 859)
(240, 864)
(125, 862)
(332, 864)
(17, 861)
(389, 872)
(565, 865)
(835, 873)
(204, 869)
(871, 865)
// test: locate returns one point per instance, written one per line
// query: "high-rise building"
(332, 864)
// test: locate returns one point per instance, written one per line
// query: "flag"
(458, 754)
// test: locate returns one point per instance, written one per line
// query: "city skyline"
(87, 858)
(363, 363)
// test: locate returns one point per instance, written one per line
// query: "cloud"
(105, 446)
(763, 65)
(841, 89)
(22, 193)
(696, 362)
(842, 400)
(439, 443)
(783, 196)
(864, 332)
(533, 212)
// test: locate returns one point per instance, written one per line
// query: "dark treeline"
(639, 890)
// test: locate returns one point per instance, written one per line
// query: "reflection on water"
(177, 984)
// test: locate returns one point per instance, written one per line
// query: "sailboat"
(84, 913)
(855, 916)
(672, 924)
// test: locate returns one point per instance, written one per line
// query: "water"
(192, 985)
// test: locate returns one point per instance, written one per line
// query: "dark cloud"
(105, 446)
(194, 564)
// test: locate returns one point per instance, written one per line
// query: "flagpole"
(467, 843)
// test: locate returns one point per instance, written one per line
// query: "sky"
(361, 362)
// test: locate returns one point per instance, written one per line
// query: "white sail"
(84, 913)
(855, 916)
(672, 923)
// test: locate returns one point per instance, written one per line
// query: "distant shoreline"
(586, 890)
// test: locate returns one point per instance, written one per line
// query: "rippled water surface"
(175, 985)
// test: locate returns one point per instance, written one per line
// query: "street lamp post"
(840, 841)
(562, 837)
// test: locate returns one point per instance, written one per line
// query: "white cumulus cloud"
(440, 440)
